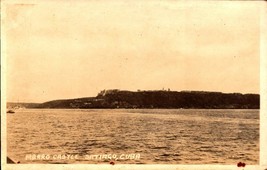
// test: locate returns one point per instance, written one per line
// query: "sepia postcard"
(133, 84)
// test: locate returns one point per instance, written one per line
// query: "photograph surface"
(132, 82)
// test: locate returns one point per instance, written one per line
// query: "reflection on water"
(158, 135)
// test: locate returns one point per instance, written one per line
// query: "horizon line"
(138, 90)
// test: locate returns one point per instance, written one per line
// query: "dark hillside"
(160, 99)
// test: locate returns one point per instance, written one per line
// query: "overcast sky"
(75, 49)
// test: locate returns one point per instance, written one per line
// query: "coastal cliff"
(159, 99)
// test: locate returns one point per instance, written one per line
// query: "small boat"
(10, 111)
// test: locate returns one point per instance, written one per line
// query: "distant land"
(164, 99)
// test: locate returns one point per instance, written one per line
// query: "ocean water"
(134, 136)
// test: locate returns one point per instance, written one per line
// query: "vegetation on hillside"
(159, 99)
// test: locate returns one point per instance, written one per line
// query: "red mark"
(112, 163)
(241, 164)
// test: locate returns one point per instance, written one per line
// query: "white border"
(263, 115)
(263, 85)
